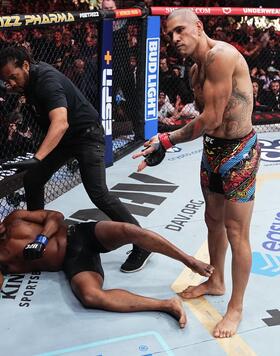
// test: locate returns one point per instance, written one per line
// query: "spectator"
(108, 5)
(273, 96)
(18, 134)
(165, 108)
(129, 86)
(270, 55)
(271, 74)
(79, 74)
(172, 117)
(89, 48)
(169, 83)
(258, 96)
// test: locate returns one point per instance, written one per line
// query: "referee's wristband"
(42, 239)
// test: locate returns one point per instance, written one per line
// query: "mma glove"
(22, 165)
(35, 249)
(155, 158)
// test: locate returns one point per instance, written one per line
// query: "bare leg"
(237, 220)
(217, 244)
(113, 235)
(88, 288)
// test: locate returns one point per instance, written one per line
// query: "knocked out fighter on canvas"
(41, 241)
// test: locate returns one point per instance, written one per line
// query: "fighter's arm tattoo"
(189, 132)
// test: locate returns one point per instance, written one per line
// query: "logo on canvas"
(268, 264)
(270, 150)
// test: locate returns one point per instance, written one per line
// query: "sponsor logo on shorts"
(264, 263)
(209, 139)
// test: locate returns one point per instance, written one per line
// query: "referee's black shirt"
(49, 89)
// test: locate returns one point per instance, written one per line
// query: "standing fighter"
(230, 160)
(73, 130)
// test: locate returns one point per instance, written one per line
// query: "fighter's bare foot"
(227, 327)
(205, 288)
(204, 269)
(176, 309)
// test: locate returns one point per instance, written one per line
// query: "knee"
(131, 233)
(92, 298)
(213, 221)
(100, 196)
(236, 233)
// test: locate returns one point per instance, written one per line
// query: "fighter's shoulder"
(221, 53)
(18, 214)
(14, 217)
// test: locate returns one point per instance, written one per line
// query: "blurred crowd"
(260, 45)
(73, 49)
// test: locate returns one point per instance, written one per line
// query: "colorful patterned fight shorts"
(229, 167)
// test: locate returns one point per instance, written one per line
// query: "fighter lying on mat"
(76, 249)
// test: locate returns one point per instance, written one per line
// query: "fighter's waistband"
(218, 141)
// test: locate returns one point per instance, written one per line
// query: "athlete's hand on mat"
(22, 165)
(35, 249)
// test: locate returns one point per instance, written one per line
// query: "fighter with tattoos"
(230, 159)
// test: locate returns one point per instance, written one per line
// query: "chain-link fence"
(128, 74)
(72, 49)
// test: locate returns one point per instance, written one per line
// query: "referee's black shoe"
(136, 260)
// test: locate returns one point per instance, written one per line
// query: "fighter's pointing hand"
(154, 151)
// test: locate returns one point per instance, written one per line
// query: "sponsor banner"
(16, 21)
(124, 13)
(90, 14)
(217, 11)
(152, 76)
(106, 86)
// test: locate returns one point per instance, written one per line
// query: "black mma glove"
(154, 158)
(35, 249)
(22, 165)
